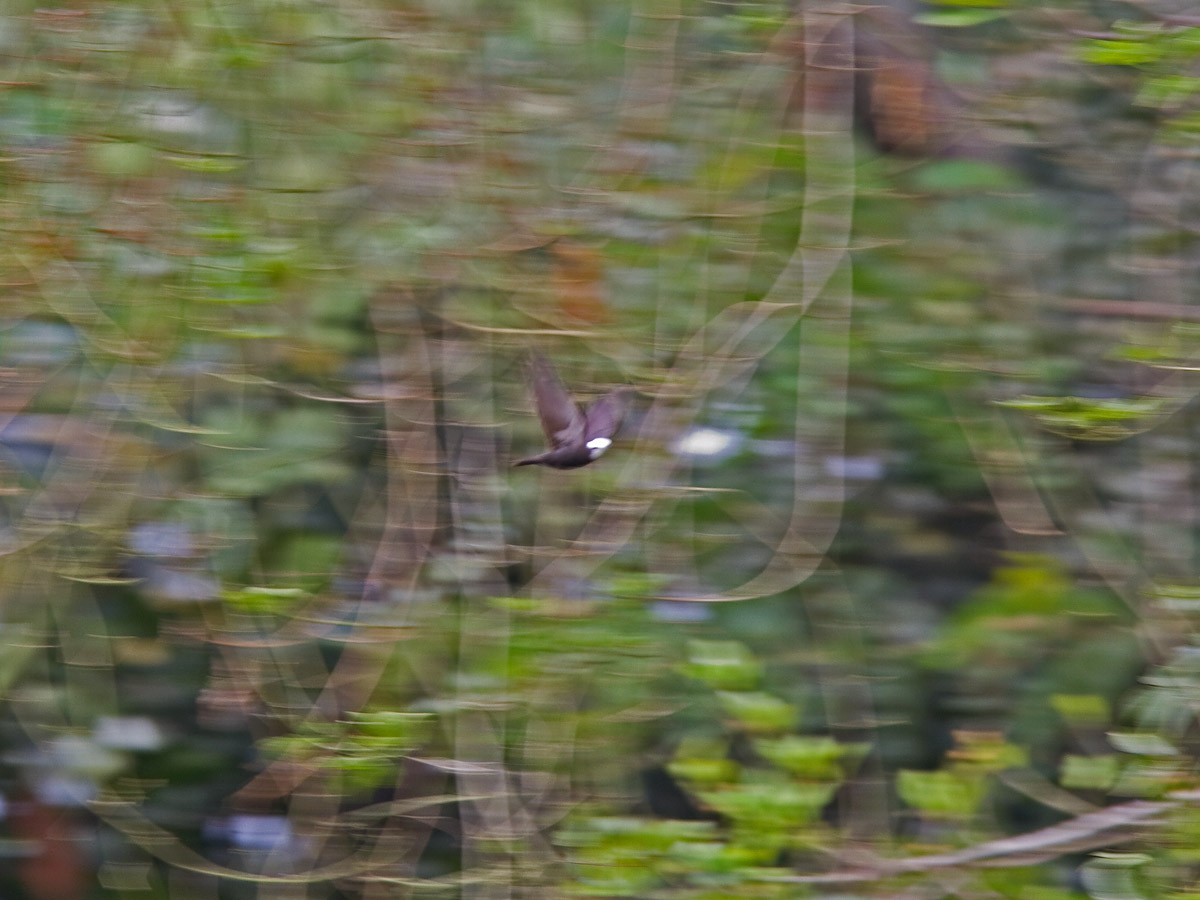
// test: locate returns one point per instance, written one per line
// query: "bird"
(577, 437)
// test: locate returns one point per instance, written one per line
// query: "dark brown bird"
(576, 437)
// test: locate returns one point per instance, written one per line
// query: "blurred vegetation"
(886, 588)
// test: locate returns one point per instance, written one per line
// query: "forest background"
(888, 587)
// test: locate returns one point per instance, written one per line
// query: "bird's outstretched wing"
(562, 419)
(605, 415)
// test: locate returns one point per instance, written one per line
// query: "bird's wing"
(562, 419)
(605, 415)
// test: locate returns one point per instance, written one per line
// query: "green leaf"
(1089, 772)
(1082, 710)
(758, 713)
(949, 794)
(1141, 743)
(723, 665)
(704, 773)
(771, 807)
(963, 175)
(263, 599)
(402, 728)
(958, 18)
(1114, 876)
(811, 757)
(1120, 52)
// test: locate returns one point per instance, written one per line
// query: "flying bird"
(576, 437)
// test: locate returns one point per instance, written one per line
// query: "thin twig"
(1089, 831)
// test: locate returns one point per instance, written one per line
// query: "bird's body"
(577, 437)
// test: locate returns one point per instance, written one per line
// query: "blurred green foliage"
(276, 613)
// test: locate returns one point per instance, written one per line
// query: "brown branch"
(1103, 828)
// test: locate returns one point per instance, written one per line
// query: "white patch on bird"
(596, 446)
